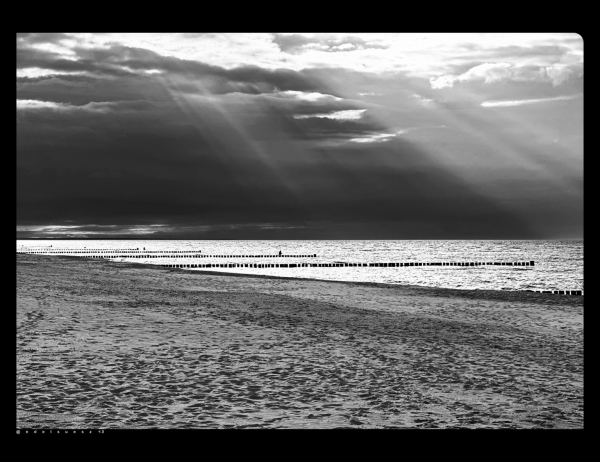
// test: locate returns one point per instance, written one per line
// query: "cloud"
(558, 74)
(406, 130)
(121, 62)
(36, 104)
(30, 74)
(100, 106)
(89, 229)
(351, 114)
(114, 231)
(502, 72)
(126, 131)
(527, 101)
(424, 55)
(375, 138)
(421, 99)
(31, 37)
(305, 96)
(297, 43)
(275, 226)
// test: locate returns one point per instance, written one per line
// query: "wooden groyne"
(123, 253)
(161, 254)
(341, 265)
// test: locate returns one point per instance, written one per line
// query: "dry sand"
(118, 345)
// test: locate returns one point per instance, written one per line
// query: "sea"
(558, 263)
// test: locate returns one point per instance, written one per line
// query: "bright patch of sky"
(425, 55)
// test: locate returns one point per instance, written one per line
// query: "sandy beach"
(102, 344)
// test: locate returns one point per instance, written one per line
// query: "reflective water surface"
(558, 264)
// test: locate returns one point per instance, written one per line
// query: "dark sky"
(300, 136)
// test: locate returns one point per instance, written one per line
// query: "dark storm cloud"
(191, 76)
(30, 57)
(141, 162)
(63, 77)
(211, 152)
(143, 169)
(80, 89)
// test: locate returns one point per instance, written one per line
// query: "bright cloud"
(526, 101)
(421, 99)
(373, 138)
(35, 104)
(48, 228)
(97, 107)
(305, 96)
(558, 75)
(421, 54)
(350, 114)
(34, 72)
(83, 230)
(501, 72)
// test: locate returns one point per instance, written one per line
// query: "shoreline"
(105, 344)
(508, 295)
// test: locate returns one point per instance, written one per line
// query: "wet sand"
(125, 345)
